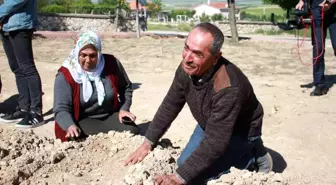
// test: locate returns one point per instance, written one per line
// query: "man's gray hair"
(217, 34)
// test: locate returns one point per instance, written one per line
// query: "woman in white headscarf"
(92, 92)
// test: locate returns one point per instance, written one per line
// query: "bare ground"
(298, 129)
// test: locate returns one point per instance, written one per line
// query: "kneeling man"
(222, 101)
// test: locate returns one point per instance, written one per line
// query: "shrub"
(204, 18)
(217, 17)
(53, 8)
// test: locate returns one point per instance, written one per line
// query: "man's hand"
(123, 113)
(167, 180)
(139, 154)
(73, 131)
(299, 6)
(326, 5)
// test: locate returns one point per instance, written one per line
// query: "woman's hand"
(123, 113)
(73, 131)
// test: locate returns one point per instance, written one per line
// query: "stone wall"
(81, 22)
(105, 23)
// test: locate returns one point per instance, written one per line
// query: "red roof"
(217, 5)
(132, 5)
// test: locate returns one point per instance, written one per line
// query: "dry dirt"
(298, 129)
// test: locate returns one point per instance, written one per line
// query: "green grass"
(282, 32)
(161, 27)
(300, 33)
(268, 10)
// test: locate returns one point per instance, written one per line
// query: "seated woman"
(92, 92)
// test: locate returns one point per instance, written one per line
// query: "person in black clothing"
(319, 34)
(222, 101)
(18, 20)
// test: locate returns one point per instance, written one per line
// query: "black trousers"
(18, 48)
(91, 126)
(319, 34)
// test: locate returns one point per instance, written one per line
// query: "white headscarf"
(84, 77)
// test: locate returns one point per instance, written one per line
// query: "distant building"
(214, 8)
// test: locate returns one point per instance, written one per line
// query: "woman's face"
(88, 58)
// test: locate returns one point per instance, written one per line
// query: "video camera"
(301, 18)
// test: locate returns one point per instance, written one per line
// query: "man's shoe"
(308, 85)
(14, 116)
(32, 120)
(319, 91)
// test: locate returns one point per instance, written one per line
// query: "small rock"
(247, 175)
(67, 146)
(239, 182)
(4, 163)
(56, 157)
(278, 178)
(44, 176)
(78, 174)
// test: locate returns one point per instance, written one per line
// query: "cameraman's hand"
(323, 3)
(299, 6)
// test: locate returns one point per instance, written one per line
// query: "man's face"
(197, 58)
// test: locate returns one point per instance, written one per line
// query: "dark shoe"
(319, 91)
(309, 85)
(14, 116)
(32, 120)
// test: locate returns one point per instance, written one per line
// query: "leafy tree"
(41, 4)
(217, 17)
(188, 13)
(204, 18)
(155, 7)
(285, 4)
(113, 3)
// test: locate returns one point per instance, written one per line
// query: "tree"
(232, 20)
(41, 3)
(217, 17)
(285, 4)
(155, 7)
(204, 18)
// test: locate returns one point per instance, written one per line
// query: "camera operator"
(318, 8)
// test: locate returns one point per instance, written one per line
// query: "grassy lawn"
(268, 10)
(282, 32)
(180, 27)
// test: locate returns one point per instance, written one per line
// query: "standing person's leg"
(332, 33)
(22, 42)
(21, 83)
(318, 42)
